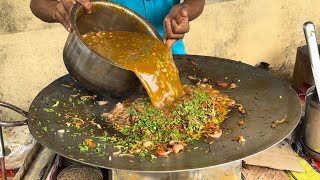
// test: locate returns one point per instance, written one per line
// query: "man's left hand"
(176, 24)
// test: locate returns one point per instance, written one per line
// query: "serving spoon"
(310, 34)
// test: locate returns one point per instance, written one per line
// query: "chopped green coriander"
(84, 148)
(48, 110)
(45, 129)
(56, 103)
(153, 156)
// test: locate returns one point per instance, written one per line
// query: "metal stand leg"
(2, 155)
(8, 124)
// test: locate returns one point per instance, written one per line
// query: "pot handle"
(16, 109)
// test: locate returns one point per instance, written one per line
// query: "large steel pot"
(312, 123)
(89, 68)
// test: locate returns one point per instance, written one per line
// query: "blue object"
(154, 11)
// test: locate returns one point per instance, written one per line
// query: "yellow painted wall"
(253, 30)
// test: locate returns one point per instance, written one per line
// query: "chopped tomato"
(210, 126)
(89, 143)
(222, 84)
(233, 85)
(78, 124)
(162, 152)
(204, 104)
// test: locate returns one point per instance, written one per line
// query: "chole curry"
(150, 59)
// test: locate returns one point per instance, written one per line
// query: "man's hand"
(57, 10)
(176, 24)
(63, 9)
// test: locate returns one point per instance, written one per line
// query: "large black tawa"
(265, 98)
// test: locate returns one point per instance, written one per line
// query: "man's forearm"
(195, 8)
(40, 9)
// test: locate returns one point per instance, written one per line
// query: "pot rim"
(78, 7)
(310, 91)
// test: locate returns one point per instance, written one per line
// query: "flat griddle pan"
(265, 98)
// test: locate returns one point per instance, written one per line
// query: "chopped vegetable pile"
(145, 129)
(135, 128)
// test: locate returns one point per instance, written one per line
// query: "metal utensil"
(265, 98)
(8, 124)
(88, 67)
(310, 34)
(81, 172)
(311, 137)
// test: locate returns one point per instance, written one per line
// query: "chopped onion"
(174, 142)
(216, 134)
(163, 153)
(177, 148)
(61, 131)
(240, 139)
(147, 144)
(116, 153)
(102, 103)
(126, 155)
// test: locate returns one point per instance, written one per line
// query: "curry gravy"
(150, 59)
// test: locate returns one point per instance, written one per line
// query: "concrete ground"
(30, 54)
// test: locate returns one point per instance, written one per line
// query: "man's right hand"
(57, 10)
